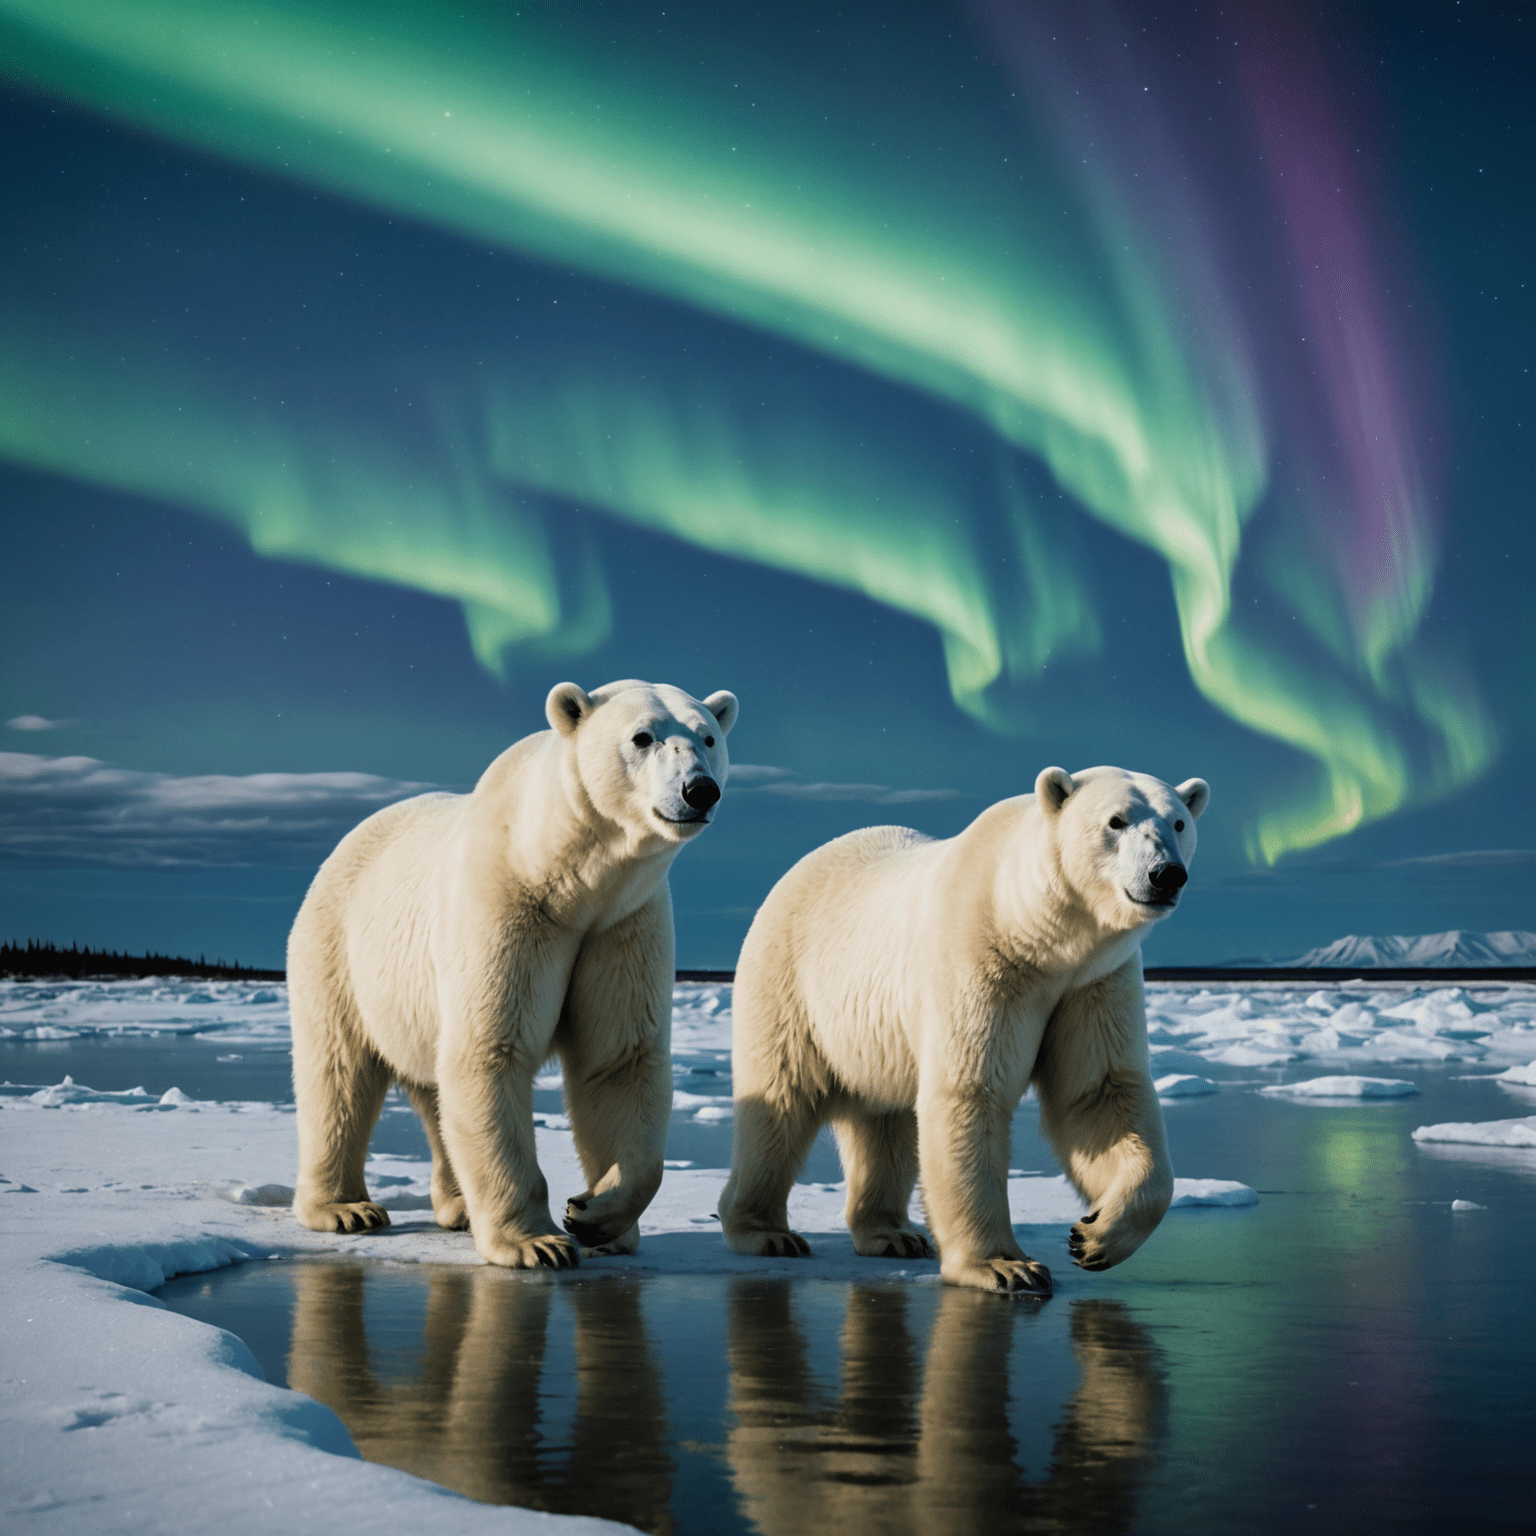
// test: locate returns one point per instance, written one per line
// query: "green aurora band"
(1009, 294)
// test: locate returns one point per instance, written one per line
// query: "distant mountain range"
(1425, 949)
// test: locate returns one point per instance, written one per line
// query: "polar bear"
(910, 990)
(452, 943)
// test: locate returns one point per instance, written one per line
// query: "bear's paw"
(342, 1215)
(892, 1243)
(769, 1245)
(1022, 1276)
(543, 1250)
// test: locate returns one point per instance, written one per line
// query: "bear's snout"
(702, 793)
(1168, 879)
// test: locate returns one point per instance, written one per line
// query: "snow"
(1457, 947)
(1252, 1024)
(1345, 1088)
(1482, 1133)
(125, 1416)
(1275, 1024)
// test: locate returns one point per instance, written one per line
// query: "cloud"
(37, 723)
(755, 773)
(81, 810)
(1471, 858)
(780, 781)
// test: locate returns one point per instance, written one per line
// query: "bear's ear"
(566, 707)
(724, 708)
(1052, 788)
(1196, 794)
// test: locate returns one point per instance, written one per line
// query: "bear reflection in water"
(466, 1410)
(911, 1439)
(928, 1449)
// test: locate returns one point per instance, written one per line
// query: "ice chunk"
(1467, 1205)
(1345, 1088)
(71, 1092)
(1193, 1192)
(1482, 1133)
(1525, 1075)
(1184, 1085)
(1252, 1056)
(174, 1096)
(259, 1194)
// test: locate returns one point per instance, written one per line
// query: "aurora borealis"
(1107, 352)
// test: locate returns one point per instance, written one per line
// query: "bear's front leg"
(1099, 1111)
(963, 1142)
(614, 1042)
(485, 1109)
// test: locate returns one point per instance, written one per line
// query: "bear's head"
(647, 756)
(1123, 840)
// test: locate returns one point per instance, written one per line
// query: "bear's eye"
(709, 741)
(1117, 822)
(641, 739)
(1178, 826)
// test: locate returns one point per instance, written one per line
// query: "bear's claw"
(785, 1245)
(346, 1216)
(1021, 1276)
(1086, 1248)
(590, 1234)
(893, 1243)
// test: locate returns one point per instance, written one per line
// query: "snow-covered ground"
(116, 1414)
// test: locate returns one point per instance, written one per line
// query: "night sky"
(968, 388)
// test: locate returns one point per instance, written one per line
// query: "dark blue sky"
(969, 389)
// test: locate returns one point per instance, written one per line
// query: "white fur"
(909, 991)
(454, 942)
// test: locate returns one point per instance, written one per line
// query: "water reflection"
(489, 1391)
(927, 1448)
(469, 1413)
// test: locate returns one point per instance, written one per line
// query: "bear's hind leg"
(448, 1206)
(338, 1092)
(879, 1153)
(768, 1148)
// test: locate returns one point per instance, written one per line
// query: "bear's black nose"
(1166, 878)
(702, 792)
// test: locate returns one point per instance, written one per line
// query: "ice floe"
(1192, 1192)
(1185, 1085)
(1525, 1076)
(1345, 1088)
(1482, 1133)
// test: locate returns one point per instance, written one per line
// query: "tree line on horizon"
(35, 960)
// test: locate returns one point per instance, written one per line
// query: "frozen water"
(1192, 1192)
(1185, 1085)
(1526, 1075)
(106, 1192)
(1482, 1133)
(1345, 1088)
(1240, 1025)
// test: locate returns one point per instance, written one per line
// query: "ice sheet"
(122, 1415)
(1253, 1024)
